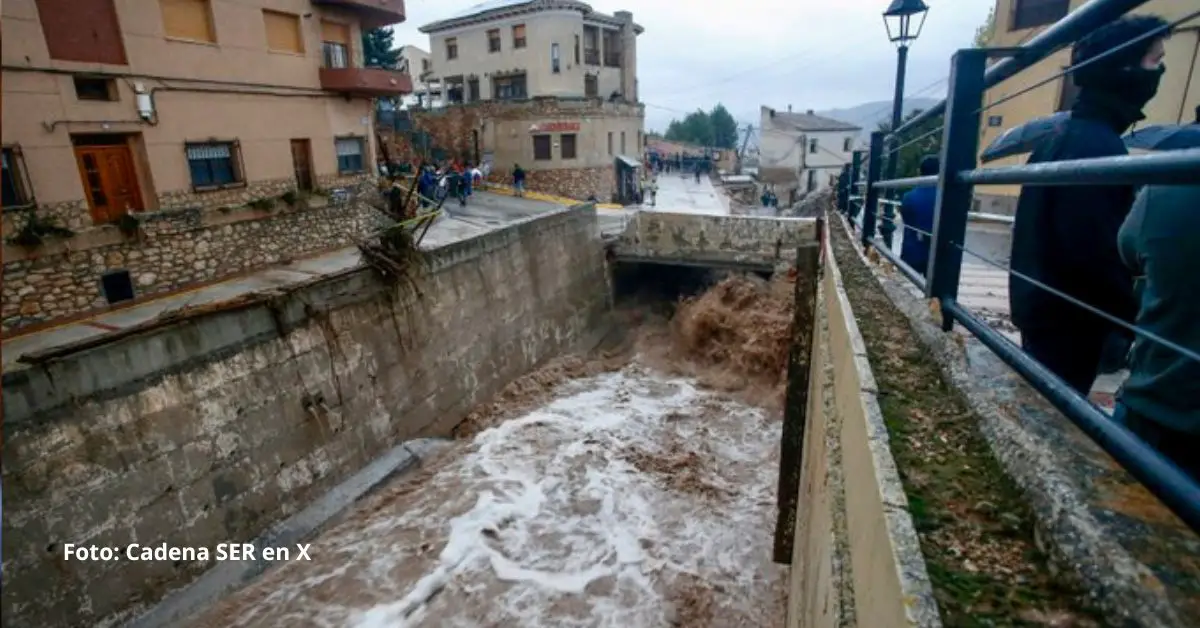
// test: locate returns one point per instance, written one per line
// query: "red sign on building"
(554, 127)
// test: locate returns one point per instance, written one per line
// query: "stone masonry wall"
(450, 129)
(210, 429)
(176, 248)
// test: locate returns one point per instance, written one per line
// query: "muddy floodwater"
(631, 495)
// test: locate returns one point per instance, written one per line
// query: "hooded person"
(1066, 236)
(917, 208)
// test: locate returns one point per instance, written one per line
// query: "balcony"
(591, 56)
(373, 82)
(372, 13)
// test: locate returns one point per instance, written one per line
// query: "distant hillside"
(869, 115)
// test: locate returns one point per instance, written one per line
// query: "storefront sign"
(554, 127)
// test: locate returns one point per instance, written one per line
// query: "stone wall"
(749, 242)
(208, 430)
(576, 183)
(176, 248)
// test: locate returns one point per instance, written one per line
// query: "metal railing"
(969, 79)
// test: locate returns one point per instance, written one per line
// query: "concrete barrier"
(210, 429)
(882, 565)
(736, 242)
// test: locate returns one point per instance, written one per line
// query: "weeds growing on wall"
(35, 229)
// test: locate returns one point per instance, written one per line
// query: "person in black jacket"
(1066, 236)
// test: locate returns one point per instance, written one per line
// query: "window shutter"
(348, 146)
(335, 33)
(208, 151)
(283, 32)
(188, 19)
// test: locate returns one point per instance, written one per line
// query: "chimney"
(789, 108)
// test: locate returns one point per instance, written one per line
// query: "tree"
(910, 155)
(983, 34)
(377, 49)
(724, 127)
(715, 128)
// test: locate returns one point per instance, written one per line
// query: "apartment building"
(138, 129)
(800, 153)
(550, 85)
(1017, 21)
(426, 90)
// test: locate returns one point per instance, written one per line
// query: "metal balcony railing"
(962, 110)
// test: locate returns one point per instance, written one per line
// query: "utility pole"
(741, 154)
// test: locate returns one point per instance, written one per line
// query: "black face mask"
(1137, 86)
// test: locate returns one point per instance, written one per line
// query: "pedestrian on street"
(518, 179)
(1066, 236)
(916, 209)
(653, 188)
(1160, 402)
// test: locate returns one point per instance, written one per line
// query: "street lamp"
(900, 19)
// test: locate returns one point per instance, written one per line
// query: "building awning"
(629, 161)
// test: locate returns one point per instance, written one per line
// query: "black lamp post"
(903, 21)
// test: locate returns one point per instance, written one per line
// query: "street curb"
(228, 576)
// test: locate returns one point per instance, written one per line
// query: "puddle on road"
(632, 499)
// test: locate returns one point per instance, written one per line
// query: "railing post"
(874, 162)
(855, 175)
(843, 197)
(960, 148)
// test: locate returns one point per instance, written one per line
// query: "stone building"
(801, 153)
(550, 85)
(1045, 91)
(151, 145)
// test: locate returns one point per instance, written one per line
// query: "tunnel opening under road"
(660, 287)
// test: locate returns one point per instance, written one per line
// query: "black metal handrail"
(962, 108)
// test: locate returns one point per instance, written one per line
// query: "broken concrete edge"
(30, 393)
(911, 576)
(736, 241)
(225, 577)
(1114, 580)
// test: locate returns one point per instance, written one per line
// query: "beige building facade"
(801, 153)
(511, 50)
(120, 113)
(1017, 21)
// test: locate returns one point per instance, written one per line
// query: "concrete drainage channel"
(290, 533)
(201, 431)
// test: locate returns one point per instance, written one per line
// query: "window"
(15, 194)
(812, 180)
(188, 19)
(451, 47)
(555, 64)
(472, 90)
(283, 32)
(424, 65)
(567, 146)
(622, 142)
(1031, 13)
(610, 142)
(612, 49)
(80, 30)
(541, 147)
(591, 86)
(577, 50)
(847, 144)
(212, 164)
(509, 87)
(349, 154)
(1067, 94)
(335, 44)
(591, 45)
(519, 36)
(493, 40)
(93, 88)
(812, 146)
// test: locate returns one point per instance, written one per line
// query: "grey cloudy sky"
(812, 54)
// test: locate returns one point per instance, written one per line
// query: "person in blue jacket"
(916, 209)
(1066, 236)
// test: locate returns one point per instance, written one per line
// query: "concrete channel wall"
(883, 564)
(209, 429)
(745, 242)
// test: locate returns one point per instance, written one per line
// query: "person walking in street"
(1066, 236)
(518, 180)
(652, 187)
(1160, 402)
(916, 209)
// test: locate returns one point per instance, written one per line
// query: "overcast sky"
(812, 54)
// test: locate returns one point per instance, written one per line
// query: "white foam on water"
(543, 521)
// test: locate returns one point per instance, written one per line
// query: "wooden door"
(302, 164)
(109, 180)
